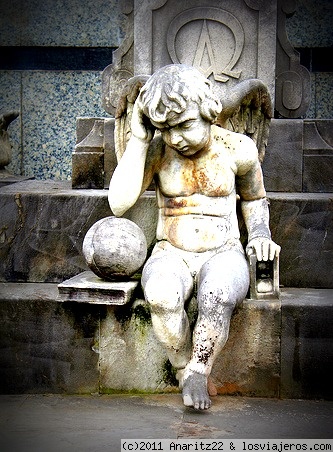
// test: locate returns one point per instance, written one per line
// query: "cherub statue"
(171, 129)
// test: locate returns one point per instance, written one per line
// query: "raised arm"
(127, 182)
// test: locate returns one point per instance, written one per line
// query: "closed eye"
(187, 124)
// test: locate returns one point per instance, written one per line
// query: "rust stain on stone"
(229, 388)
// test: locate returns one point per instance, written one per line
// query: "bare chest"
(212, 175)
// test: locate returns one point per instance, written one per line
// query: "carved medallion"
(209, 30)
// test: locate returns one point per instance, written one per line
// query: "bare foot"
(195, 392)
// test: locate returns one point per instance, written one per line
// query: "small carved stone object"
(5, 146)
(115, 248)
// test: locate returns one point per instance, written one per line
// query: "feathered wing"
(247, 109)
(124, 110)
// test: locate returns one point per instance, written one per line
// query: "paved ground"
(98, 423)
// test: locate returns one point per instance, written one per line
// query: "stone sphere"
(115, 248)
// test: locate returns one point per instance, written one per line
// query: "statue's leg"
(223, 282)
(167, 284)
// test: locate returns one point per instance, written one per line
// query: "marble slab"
(86, 287)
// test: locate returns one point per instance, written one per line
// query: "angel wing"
(247, 109)
(124, 110)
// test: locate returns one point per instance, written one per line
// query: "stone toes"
(187, 400)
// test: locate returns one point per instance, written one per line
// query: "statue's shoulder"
(237, 143)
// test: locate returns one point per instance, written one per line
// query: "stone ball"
(115, 248)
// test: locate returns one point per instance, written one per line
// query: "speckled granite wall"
(43, 137)
(49, 101)
(311, 26)
(61, 23)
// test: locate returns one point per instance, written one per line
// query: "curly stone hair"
(169, 90)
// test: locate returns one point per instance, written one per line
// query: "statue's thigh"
(226, 273)
(165, 273)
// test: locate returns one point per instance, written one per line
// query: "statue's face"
(187, 132)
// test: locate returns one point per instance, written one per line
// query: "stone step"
(43, 224)
(280, 348)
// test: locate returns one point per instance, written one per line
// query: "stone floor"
(98, 423)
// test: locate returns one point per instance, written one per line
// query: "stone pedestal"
(275, 348)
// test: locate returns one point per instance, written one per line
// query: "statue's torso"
(197, 196)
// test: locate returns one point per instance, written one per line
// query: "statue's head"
(170, 90)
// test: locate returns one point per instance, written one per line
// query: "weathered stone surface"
(292, 90)
(46, 346)
(318, 156)
(36, 246)
(303, 224)
(52, 347)
(250, 361)
(131, 358)
(307, 344)
(7, 179)
(43, 225)
(87, 170)
(86, 287)
(178, 32)
(283, 163)
(317, 177)
(94, 158)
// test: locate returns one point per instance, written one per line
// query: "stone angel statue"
(171, 129)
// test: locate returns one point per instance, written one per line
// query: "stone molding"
(293, 89)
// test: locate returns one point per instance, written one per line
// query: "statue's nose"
(175, 137)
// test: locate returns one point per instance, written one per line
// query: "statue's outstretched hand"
(264, 248)
(141, 125)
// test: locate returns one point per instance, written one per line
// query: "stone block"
(46, 346)
(88, 155)
(318, 156)
(86, 287)
(302, 223)
(307, 344)
(317, 177)
(283, 163)
(43, 225)
(159, 33)
(94, 158)
(131, 359)
(275, 348)
(88, 170)
(250, 362)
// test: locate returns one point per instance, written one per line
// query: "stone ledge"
(86, 287)
(43, 224)
(275, 348)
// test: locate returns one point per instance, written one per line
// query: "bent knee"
(166, 282)
(215, 298)
(162, 294)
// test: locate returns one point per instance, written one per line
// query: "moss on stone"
(169, 374)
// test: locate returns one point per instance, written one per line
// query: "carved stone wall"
(228, 42)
